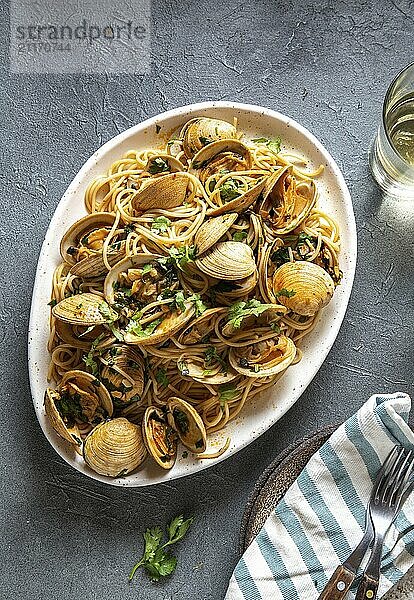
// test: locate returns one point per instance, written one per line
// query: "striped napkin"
(321, 518)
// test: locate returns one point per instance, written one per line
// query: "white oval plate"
(263, 411)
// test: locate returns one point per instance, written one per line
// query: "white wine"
(391, 156)
(399, 121)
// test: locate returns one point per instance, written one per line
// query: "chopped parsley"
(158, 165)
(89, 359)
(136, 328)
(181, 420)
(211, 356)
(160, 224)
(52, 303)
(161, 377)
(198, 303)
(241, 309)
(229, 190)
(146, 268)
(285, 292)
(239, 236)
(273, 145)
(227, 391)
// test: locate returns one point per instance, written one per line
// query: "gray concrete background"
(326, 64)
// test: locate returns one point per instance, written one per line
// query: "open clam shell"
(212, 230)
(228, 260)
(242, 202)
(80, 398)
(164, 192)
(194, 366)
(77, 336)
(285, 203)
(114, 448)
(263, 359)
(201, 327)
(159, 437)
(68, 430)
(168, 326)
(163, 163)
(309, 287)
(88, 234)
(123, 374)
(228, 154)
(188, 424)
(84, 309)
(201, 131)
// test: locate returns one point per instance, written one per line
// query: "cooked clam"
(123, 374)
(79, 399)
(82, 245)
(227, 292)
(77, 336)
(212, 230)
(242, 202)
(164, 192)
(159, 437)
(210, 370)
(264, 358)
(267, 314)
(285, 203)
(158, 324)
(306, 287)
(201, 131)
(163, 163)
(188, 424)
(225, 154)
(201, 327)
(84, 309)
(114, 448)
(228, 260)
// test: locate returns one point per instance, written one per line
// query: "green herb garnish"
(52, 303)
(285, 292)
(158, 165)
(89, 359)
(136, 328)
(273, 145)
(160, 224)
(227, 391)
(229, 190)
(241, 309)
(161, 377)
(239, 236)
(155, 560)
(146, 268)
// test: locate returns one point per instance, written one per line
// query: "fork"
(383, 508)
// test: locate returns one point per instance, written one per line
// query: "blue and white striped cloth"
(321, 518)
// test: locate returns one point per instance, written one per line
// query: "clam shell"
(173, 163)
(163, 192)
(170, 324)
(84, 309)
(212, 230)
(313, 287)
(290, 203)
(200, 327)
(244, 287)
(159, 438)
(67, 334)
(70, 434)
(90, 383)
(114, 448)
(188, 424)
(220, 155)
(80, 228)
(201, 131)
(94, 266)
(228, 260)
(196, 371)
(124, 373)
(270, 315)
(130, 262)
(242, 202)
(273, 362)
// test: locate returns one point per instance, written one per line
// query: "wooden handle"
(338, 585)
(367, 589)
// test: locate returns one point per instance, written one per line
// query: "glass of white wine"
(391, 156)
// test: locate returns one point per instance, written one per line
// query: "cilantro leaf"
(160, 224)
(181, 256)
(198, 303)
(177, 529)
(273, 145)
(179, 301)
(136, 328)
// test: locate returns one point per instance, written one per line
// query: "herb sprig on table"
(155, 560)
